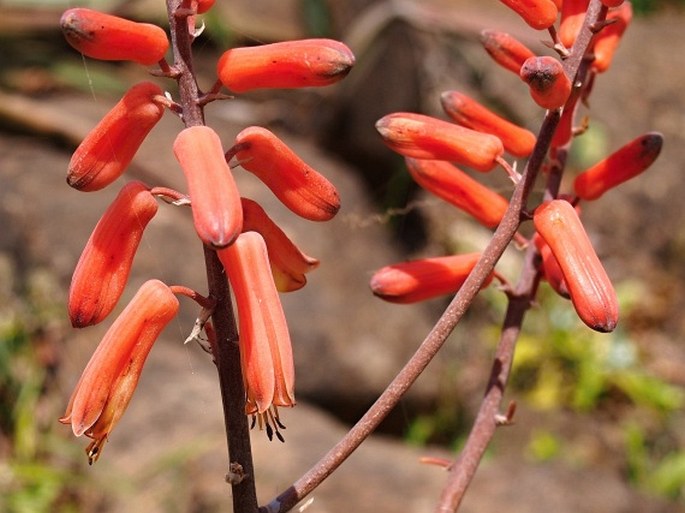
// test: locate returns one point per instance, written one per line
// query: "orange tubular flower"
(426, 278)
(110, 378)
(571, 20)
(549, 85)
(471, 114)
(110, 38)
(506, 50)
(612, 3)
(590, 289)
(622, 165)
(105, 264)
(217, 214)
(299, 187)
(108, 149)
(288, 263)
(457, 188)
(607, 40)
(424, 137)
(539, 14)
(265, 348)
(289, 64)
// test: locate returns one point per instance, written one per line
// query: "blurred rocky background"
(600, 423)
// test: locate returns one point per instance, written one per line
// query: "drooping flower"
(297, 185)
(108, 149)
(110, 378)
(457, 188)
(422, 279)
(288, 264)
(105, 263)
(106, 37)
(287, 64)
(625, 163)
(505, 49)
(592, 294)
(423, 137)
(538, 14)
(264, 340)
(214, 196)
(469, 113)
(549, 85)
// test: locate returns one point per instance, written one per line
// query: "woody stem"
(225, 350)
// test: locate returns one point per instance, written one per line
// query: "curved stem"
(452, 315)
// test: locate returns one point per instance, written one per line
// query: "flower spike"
(108, 149)
(110, 378)
(265, 347)
(217, 214)
(590, 289)
(288, 263)
(422, 279)
(289, 64)
(538, 14)
(424, 137)
(299, 187)
(622, 165)
(469, 113)
(110, 38)
(105, 264)
(454, 186)
(549, 85)
(506, 50)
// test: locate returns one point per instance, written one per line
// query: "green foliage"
(36, 467)
(561, 365)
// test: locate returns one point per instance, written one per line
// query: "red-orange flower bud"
(110, 378)
(571, 20)
(549, 85)
(299, 187)
(456, 187)
(506, 50)
(105, 264)
(591, 291)
(424, 137)
(612, 3)
(422, 279)
(607, 40)
(622, 165)
(265, 347)
(217, 213)
(289, 64)
(469, 113)
(539, 14)
(288, 263)
(110, 38)
(108, 149)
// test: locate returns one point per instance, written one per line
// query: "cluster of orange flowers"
(258, 257)
(478, 138)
